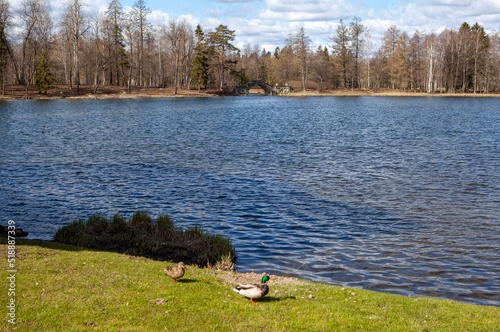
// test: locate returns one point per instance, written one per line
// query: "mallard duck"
(175, 272)
(254, 291)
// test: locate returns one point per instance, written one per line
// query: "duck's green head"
(265, 279)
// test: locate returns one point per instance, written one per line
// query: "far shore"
(112, 92)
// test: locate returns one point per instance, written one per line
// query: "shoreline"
(113, 92)
(229, 275)
(105, 290)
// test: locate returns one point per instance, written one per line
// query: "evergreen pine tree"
(220, 41)
(113, 26)
(43, 77)
(199, 66)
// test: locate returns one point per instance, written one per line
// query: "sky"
(268, 23)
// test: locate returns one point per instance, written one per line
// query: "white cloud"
(211, 23)
(314, 10)
(236, 1)
(448, 3)
(432, 15)
(378, 26)
(492, 21)
(277, 19)
(269, 22)
(158, 18)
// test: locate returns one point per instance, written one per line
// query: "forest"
(123, 49)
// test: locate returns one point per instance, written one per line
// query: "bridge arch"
(243, 90)
(268, 89)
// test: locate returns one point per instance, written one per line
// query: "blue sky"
(267, 23)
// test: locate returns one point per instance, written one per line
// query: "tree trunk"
(129, 78)
(431, 69)
(221, 64)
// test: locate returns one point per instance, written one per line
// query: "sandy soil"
(235, 278)
(106, 92)
(387, 92)
(86, 92)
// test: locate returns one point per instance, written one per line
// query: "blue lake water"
(399, 195)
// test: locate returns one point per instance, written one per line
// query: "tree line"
(118, 48)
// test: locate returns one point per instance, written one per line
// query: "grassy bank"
(62, 288)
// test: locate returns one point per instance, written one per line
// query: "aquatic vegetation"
(160, 239)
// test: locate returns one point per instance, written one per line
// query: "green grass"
(142, 236)
(63, 288)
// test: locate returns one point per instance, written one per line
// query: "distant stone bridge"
(243, 90)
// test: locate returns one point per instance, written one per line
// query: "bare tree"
(99, 57)
(266, 69)
(189, 46)
(77, 25)
(251, 62)
(321, 64)
(465, 54)
(29, 15)
(357, 30)
(139, 13)
(481, 42)
(341, 50)
(4, 12)
(390, 42)
(180, 36)
(44, 29)
(367, 55)
(4, 46)
(285, 65)
(494, 62)
(301, 44)
(431, 49)
(415, 58)
(130, 40)
(400, 62)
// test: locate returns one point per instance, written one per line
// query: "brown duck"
(175, 272)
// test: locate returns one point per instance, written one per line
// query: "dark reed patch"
(159, 239)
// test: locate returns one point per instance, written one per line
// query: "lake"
(391, 194)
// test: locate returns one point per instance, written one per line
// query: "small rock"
(4, 231)
(311, 296)
(157, 301)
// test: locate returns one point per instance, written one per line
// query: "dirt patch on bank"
(255, 278)
(105, 92)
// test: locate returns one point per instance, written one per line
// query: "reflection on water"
(390, 194)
